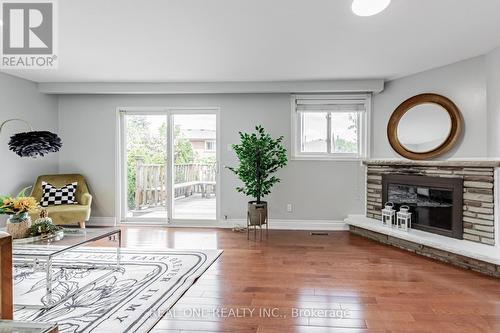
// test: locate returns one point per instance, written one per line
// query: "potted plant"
(260, 157)
(44, 227)
(18, 208)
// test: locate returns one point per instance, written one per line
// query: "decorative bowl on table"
(58, 235)
(44, 229)
(41, 229)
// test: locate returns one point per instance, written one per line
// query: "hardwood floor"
(373, 287)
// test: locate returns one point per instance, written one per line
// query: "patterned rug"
(93, 294)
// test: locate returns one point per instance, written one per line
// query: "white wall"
(20, 99)
(317, 190)
(463, 82)
(493, 85)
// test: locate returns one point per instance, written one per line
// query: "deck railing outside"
(151, 182)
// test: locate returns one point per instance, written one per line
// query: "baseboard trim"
(274, 224)
(281, 224)
(184, 224)
(102, 221)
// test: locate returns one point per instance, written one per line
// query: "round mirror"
(424, 126)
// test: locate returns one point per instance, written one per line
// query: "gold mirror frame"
(449, 142)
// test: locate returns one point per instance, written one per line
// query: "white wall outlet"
(289, 207)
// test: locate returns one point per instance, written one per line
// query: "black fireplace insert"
(436, 203)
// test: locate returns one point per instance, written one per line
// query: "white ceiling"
(263, 40)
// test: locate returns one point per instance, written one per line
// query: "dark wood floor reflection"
(280, 284)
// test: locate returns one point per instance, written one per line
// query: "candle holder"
(388, 214)
(403, 218)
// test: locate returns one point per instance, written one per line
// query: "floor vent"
(318, 233)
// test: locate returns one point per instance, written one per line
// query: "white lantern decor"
(388, 214)
(403, 218)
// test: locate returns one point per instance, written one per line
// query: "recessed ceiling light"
(369, 7)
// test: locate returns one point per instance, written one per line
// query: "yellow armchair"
(65, 214)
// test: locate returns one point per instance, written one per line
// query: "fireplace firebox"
(435, 202)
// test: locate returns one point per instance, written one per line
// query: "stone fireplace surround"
(478, 250)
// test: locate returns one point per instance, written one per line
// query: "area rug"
(96, 295)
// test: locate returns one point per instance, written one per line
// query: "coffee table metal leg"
(118, 249)
(48, 286)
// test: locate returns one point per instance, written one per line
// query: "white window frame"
(363, 129)
(207, 142)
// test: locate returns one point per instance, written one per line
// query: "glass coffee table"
(10, 326)
(41, 253)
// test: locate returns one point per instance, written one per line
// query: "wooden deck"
(194, 207)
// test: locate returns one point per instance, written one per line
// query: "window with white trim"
(330, 126)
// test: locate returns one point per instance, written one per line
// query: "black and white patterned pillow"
(58, 196)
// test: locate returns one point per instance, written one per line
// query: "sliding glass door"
(145, 157)
(169, 165)
(195, 166)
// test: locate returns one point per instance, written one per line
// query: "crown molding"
(144, 88)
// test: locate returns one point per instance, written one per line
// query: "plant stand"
(264, 221)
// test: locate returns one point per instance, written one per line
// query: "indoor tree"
(260, 156)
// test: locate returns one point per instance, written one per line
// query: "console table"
(5, 276)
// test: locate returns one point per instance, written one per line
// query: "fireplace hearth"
(435, 202)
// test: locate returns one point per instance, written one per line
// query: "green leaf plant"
(260, 157)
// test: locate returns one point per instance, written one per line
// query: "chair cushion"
(67, 209)
(66, 214)
(58, 196)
